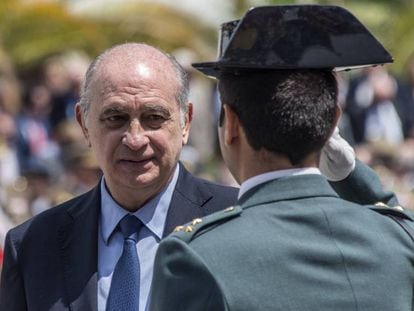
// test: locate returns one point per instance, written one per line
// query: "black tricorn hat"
(295, 37)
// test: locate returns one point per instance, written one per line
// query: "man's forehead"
(134, 69)
(137, 56)
(114, 75)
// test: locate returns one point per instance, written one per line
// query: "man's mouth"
(140, 161)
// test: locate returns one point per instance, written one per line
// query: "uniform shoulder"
(403, 217)
(198, 226)
(393, 210)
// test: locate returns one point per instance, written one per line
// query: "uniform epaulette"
(387, 210)
(188, 231)
(397, 214)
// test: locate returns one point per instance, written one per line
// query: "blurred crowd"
(44, 159)
(378, 121)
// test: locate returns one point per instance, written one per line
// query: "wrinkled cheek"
(168, 149)
(98, 157)
(165, 150)
(172, 158)
(104, 162)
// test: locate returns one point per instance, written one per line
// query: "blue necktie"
(124, 292)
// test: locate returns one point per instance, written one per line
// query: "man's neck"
(262, 161)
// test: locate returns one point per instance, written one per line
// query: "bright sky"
(213, 12)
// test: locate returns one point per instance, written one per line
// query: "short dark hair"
(289, 112)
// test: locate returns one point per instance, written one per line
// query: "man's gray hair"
(182, 78)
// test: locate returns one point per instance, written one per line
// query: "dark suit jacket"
(290, 244)
(51, 260)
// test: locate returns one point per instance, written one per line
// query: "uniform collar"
(262, 178)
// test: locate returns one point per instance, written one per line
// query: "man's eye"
(115, 120)
(155, 117)
(154, 121)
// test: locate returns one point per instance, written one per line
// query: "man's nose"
(135, 138)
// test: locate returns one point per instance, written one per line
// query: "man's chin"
(146, 180)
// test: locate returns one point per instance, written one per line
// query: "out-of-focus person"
(405, 98)
(35, 144)
(372, 108)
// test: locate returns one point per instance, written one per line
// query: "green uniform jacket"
(290, 244)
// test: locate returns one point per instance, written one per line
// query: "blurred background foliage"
(31, 31)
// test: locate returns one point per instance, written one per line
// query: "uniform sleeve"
(182, 281)
(12, 296)
(363, 186)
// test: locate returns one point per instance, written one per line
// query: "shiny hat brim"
(295, 37)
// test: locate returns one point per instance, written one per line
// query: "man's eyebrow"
(156, 108)
(146, 108)
(112, 110)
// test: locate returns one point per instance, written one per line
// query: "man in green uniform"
(290, 243)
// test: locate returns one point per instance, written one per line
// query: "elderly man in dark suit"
(290, 243)
(135, 116)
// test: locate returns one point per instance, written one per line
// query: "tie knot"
(130, 226)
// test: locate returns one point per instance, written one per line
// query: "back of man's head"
(288, 112)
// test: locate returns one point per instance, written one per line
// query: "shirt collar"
(153, 214)
(262, 178)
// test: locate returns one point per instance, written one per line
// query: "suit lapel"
(188, 198)
(78, 236)
(78, 244)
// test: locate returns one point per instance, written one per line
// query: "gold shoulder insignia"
(178, 228)
(196, 221)
(396, 210)
(396, 207)
(399, 208)
(195, 227)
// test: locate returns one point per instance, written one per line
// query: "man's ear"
(187, 124)
(81, 120)
(230, 125)
(338, 113)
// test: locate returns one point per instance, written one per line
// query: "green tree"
(31, 31)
